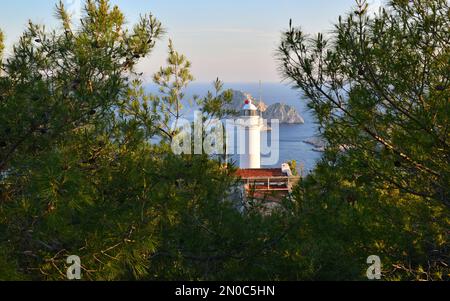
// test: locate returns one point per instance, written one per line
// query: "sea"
(292, 136)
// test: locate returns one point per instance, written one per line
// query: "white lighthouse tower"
(250, 132)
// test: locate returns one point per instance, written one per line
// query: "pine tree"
(379, 87)
(80, 175)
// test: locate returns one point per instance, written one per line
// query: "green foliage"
(56, 83)
(59, 93)
(160, 114)
(342, 221)
(215, 105)
(79, 175)
(293, 167)
(379, 86)
(171, 81)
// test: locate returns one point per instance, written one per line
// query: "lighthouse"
(266, 184)
(250, 132)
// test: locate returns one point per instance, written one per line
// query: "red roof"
(260, 172)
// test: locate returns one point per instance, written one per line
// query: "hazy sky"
(234, 40)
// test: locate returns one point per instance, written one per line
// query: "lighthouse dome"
(249, 109)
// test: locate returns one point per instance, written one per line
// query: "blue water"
(291, 143)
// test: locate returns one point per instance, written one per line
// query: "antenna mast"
(260, 99)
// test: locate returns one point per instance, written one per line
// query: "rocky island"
(284, 113)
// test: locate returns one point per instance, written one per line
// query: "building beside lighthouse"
(269, 184)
